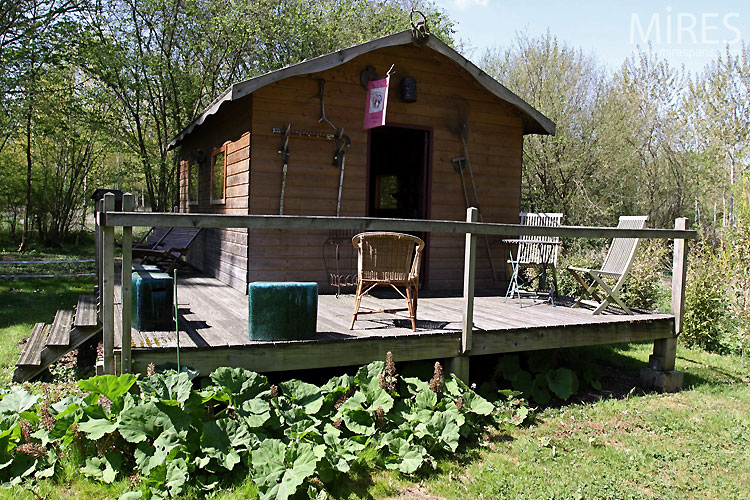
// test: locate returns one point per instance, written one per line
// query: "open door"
(398, 178)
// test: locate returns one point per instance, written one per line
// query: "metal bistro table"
(541, 253)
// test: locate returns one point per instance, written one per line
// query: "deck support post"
(127, 271)
(460, 364)
(108, 278)
(660, 373)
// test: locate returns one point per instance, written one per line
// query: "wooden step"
(60, 333)
(32, 351)
(86, 311)
(50, 353)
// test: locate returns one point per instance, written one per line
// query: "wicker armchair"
(388, 259)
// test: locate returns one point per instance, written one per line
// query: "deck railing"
(108, 219)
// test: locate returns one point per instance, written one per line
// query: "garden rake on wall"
(457, 120)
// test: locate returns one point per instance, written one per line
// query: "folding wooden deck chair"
(153, 237)
(388, 259)
(538, 252)
(617, 265)
(170, 248)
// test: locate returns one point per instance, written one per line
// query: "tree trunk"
(27, 212)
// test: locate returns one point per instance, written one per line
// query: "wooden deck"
(213, 331)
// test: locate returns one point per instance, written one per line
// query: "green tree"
(719, 101)
(566, 85)
(164, 61)
(646, 161)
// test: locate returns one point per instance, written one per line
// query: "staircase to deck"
(48, 343)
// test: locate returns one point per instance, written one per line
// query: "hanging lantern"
(409, 89)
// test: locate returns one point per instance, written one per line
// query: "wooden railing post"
(98, 208)
(108, 285)
(661, 372)
(127, 271)
(460, 364)
(679, 274)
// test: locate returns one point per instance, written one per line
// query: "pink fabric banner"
(377, 99)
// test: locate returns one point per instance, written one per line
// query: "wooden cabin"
(232, 161)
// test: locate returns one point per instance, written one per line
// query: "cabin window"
(192, 175)
(218, 175)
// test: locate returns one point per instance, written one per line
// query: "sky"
(686, 32)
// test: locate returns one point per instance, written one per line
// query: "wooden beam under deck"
(213, 332)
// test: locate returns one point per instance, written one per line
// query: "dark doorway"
(398, 178)
(398, 173)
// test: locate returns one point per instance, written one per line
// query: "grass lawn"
(693, 444)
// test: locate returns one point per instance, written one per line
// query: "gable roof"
(534, 122)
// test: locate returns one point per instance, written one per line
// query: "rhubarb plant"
(164, 432)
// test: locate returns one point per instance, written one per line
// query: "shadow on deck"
(213, 330)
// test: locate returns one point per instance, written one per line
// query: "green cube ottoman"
(282, 311)
(137, 268)
(153, 301)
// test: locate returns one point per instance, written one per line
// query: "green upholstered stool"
(282, 311)
(137, 268)
(153, 301)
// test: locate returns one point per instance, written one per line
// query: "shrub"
(706, 321)
(643, 287)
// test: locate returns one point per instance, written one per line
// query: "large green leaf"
(268, 463)
(110, 386)
(415, 386)
(408, 457)
(451, 387)
(104, 468)
(524, 382)
(475, 403)
(306, 395)
(539, 390)
(279, 470)
(359, 421)
(224, 439)
(97, 428)
(511, 367)
(173, 387)
(18, 401)
(444, 428)
(368, 376)
(147, 457)
(255, 412)
(152, 421)
(131, 495)
(379, 398)
(563, 382)
(340, 452)
(239, 384)
(426, 399)
(177, 476)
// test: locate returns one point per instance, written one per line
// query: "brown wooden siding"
(494, 144)
(221, 253)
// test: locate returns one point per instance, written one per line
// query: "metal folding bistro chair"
(538, 252)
